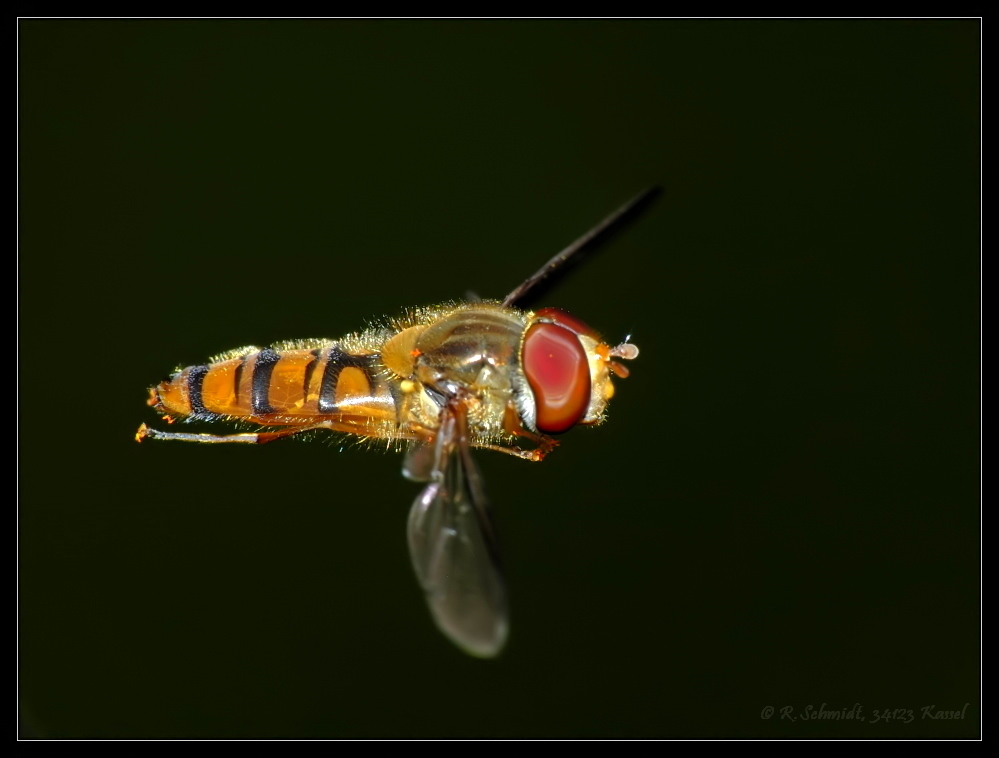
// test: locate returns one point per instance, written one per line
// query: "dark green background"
(783, 509)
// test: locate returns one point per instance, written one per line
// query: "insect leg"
(512, 425)
(252, 438)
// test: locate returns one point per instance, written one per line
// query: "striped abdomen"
(271, 386)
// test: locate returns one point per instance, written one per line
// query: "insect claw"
(142, 433)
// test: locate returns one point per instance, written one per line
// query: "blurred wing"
(418, 465)
(453, 547)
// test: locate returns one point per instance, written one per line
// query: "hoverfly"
(440, 381)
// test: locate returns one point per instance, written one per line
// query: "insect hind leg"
(250, 438)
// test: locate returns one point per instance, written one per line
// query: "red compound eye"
(566, 319)
(559, 374)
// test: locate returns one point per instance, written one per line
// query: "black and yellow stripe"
(279, 386)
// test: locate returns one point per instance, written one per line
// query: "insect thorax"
(474, 351)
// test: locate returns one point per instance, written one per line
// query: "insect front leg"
(511, 425)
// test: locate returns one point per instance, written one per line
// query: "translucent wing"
(418, 465)
(453, 547)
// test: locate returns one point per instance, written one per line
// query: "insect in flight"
(440, 380)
